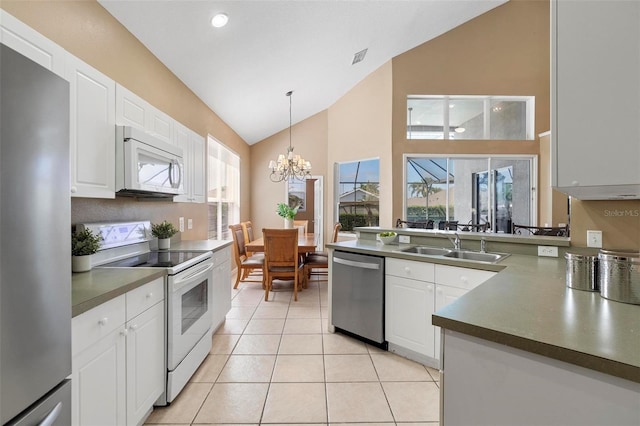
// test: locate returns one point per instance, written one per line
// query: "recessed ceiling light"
(219, 20)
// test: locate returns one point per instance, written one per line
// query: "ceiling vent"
(358, 57)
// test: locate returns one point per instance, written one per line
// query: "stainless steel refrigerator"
(35, 246)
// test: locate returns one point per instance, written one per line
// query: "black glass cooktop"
(156, 259)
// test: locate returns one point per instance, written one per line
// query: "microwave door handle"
(179, 174)
(171, 171)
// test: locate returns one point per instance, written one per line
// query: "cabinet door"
(198, 168)
(30, 43)
(131, 110)
(98, 382)
(444, 296)
(92, 131)
(145, 362)
(182, 140)
(465, 278)
(595, 93)
(408, 308)
(160, 124)
(221, 292)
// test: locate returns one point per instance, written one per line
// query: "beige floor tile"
(298, 311)
(393, 368)
(279, 296)
(363, 424)
(300, 344)
(258, 344)
(271, 311)
(349, 368)
(223, 343)
(435, 374)
(302, 326)
(241, 312)
(414, 401)
(375, 350)
(324, 312)
(295, 403)
(299, 368)
(233, 403)
(232, 326)
(357, 402)
(248, 369)
(184, 408)
(210, 369)
(247, 298)
(265, 326)
(335, 343)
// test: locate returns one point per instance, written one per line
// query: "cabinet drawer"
(409, 269)
(96, 323)
(144, 297)
(221, 256)
(465, 278)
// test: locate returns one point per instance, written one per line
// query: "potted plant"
(288, 213)
(83, 244)
(163, 231)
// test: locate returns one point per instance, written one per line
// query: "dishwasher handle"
(355, 264)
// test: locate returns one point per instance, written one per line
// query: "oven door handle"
(182, 281)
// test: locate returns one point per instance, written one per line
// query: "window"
(223, 169)
(497, 190)
(470, 117)
(358, 194)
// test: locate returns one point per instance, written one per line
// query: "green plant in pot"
(288, 213)
(84, 243)
(163, 232)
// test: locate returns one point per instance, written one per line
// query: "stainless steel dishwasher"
(358, 296)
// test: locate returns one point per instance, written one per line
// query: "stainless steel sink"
(476, 256)
(431, 251)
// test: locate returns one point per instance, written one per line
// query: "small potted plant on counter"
(288, 213)
(163, 231)
(83, 244)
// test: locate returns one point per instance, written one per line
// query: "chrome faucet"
(456, 242)
(483, 245)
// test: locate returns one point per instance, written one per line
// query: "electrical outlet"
(406, 239)
(189, 223)
(594, 239)
(548, 251)
(181, 223)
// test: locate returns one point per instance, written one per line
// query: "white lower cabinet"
(221, 304)
(413, 292)
(118, 365)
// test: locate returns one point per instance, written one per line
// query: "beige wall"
(619, 222)
(88, 31)
(359, 129)
(502, 52)
(552, 205)
(309, 140)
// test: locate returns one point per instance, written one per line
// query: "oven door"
(189, 310)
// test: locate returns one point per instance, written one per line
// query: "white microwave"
(147, 166)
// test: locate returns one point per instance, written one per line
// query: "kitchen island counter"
(528, 306)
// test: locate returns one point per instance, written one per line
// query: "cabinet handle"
(575, 183)
(464, 279)
(124, 332)
(430, 287)
(103, 321)
(74, 189)
(407, 269)
(134, 327)
(149, 295)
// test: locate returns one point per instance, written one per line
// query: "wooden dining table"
(306, 244)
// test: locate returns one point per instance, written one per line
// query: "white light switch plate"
(406, 239)
(181, 224)
(190, 223)
(549, 251)
(594, 239)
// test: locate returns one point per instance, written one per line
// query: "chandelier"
(289, 166)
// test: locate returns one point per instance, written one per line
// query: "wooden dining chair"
(245, 263)
(303, 225)
(319, 259)
(281, 259)
(247, 230)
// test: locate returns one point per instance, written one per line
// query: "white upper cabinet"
(30, 43)
(92, 131)
(193, 147)
(132, 110)
(595, 77)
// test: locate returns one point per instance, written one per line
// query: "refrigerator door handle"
(52, 416)
(356, 264)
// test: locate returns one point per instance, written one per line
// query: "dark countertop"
(93, 288)
(528, 306)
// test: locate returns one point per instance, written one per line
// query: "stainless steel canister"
(582, 271)
(620, 276)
